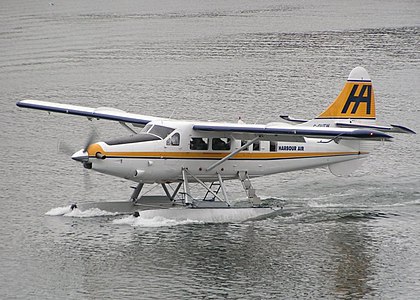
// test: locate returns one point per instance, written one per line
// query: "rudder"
(356, 100)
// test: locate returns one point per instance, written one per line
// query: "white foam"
(416, 201)
(66, 211)
(59, 211)
(408, 203)
(153, 222)
(89, 213)
(314, 204)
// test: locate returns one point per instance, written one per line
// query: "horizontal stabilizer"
(290, 119)
(401, 129)
(392, 128)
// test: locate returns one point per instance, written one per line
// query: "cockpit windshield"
(158, 130)
(150, 132)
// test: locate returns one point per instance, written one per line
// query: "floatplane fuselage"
(163, 148)
(166, 151)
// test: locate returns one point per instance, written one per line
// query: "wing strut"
(232, 154)
(123, 124)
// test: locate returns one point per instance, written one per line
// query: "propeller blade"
(93, 136)
(87, 180)
(64, 148)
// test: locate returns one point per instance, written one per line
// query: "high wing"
(289, 133)
(275, 131)
(105, 113)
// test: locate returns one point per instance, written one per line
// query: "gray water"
(350, 238)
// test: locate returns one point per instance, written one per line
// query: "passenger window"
(173, 140)
(256, 146)
(243, 144)
(273, 147)
(220, 144)
(197, 143)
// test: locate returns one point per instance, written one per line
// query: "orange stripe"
(220, 155)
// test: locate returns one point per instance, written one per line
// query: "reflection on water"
(353, 272)
(298, 255)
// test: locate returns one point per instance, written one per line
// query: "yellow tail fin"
(356, 100)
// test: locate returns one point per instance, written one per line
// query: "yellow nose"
(94, 149)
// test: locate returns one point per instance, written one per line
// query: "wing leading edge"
(91, 113)
(296, 134)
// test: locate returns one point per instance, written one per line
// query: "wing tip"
(22, 103)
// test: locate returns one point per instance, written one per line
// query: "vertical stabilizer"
(356, 100)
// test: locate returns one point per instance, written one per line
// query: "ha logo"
(364, 96)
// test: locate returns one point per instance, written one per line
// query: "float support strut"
(136, 193)
(186, 187)
(222, 186)
(205, 186)
(168, 194)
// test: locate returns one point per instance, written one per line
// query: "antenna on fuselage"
(170, 117)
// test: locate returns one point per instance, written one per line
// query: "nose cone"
(81, 156)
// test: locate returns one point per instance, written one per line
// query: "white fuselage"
(162, 159)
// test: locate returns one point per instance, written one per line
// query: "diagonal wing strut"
(232, 154)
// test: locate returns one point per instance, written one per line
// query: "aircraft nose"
(81, 156)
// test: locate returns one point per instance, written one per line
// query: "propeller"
(65, 148)
(80, 155)
(93, 136)
(69, 150)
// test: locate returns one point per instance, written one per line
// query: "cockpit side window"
(173, 140)
(161, 131)
(220, 144)
(198, 143)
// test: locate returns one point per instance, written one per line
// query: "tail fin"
(356, 100)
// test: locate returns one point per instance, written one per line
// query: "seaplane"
(175, 154)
